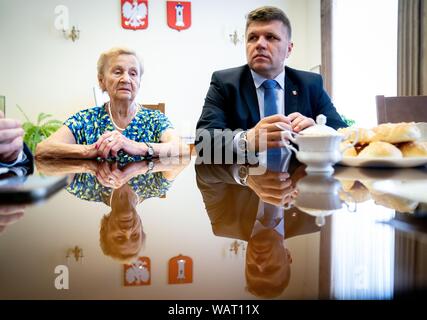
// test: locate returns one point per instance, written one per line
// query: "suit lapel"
(250, 97)
(291, 95)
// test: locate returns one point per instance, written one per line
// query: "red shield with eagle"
(179, 14)
(134, 14)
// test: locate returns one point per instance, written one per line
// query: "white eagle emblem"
(138, 272)
(134, 13)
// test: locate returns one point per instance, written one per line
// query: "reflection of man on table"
(255, 213)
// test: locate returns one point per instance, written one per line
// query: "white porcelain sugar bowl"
(318, 146)
(318, 195)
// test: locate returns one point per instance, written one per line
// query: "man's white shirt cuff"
(21, 158)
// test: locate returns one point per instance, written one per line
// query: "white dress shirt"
(279, 92)
(8, 167)
(279, 226)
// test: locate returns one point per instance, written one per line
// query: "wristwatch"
(150, 167)
(150, 150)
(243, 173)
(242, 144)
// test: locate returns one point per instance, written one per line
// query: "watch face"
(150, 150)
(243, 172)
(242, 144)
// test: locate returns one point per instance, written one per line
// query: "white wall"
(41, 71)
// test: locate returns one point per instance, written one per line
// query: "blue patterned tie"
(271, 108)
(269, 218)
(270, 105)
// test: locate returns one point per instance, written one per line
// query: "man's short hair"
(267, 14)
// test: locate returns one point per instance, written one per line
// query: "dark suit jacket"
(231, 102)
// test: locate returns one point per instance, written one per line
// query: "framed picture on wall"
(138, 273)
(3, 104)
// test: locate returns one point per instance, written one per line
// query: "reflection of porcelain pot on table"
(319, 146)
(318, 195)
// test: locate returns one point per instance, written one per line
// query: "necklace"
(112, 120)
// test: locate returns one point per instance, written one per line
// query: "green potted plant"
(348, 121)
(36, 132)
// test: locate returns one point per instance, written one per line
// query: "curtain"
(326, 40)
(412, 48)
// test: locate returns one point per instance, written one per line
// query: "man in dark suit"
(237, 97)
(14, 154)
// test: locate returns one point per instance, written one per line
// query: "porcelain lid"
(320, 128)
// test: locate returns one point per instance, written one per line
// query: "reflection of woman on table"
(98, 187)
(122, 189)
(121, 232)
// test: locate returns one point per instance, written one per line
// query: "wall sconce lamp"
(62, 22)
(76, 252)
(237, 246)
(235, 38)
(74, 34)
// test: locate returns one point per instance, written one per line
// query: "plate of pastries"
(402, 190)
(398, 145)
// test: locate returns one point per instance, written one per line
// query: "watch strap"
(150, 147)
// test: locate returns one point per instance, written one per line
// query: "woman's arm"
(113, 141)
(111, 174)
(62, 144)
(56, 167)
(171, 145)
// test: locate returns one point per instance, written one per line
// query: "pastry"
(350, 151)
(414, 149)
(380, 149)
(365, 135)
(396, 132)
(394, 202)
(354, 191)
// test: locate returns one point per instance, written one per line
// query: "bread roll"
(394, 202)
(380, 150)
(414, 149)
(357, 192)
(396, 132)
(350, 151)
(365, 135)
(346, 185)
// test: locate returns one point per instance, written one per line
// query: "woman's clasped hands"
(111, 142)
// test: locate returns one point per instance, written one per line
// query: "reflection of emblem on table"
(138, 273)
(180, 270)
(179, 14)
(134, 14)
(237, 246)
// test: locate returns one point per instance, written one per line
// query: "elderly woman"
(119, 125)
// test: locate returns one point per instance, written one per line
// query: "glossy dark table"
(359, 234)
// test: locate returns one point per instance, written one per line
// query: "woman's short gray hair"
(105, 57)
